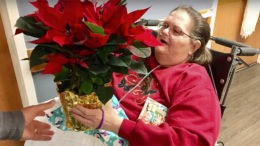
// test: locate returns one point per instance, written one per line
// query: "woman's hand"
(93, 117)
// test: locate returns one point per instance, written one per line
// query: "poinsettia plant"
(84, 42)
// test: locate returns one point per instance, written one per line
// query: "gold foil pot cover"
(69, 99)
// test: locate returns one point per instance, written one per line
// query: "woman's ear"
(197, 45)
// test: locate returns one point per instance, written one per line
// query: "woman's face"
(174, 34)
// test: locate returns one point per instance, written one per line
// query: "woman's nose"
(165, 31)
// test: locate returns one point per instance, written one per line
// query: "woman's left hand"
(93, 117)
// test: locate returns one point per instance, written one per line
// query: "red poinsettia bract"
(70, 23)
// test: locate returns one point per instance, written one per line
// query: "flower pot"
(69, 99)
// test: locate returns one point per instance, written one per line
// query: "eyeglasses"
(176, 31)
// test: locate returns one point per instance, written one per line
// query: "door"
(229, 17)
(9, 93)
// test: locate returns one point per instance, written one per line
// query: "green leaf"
(116, 61)
(95, 28)
(51, 45)
(121, 70)
(38, 52)
(123, 2)
(62, 75)
(133, 25)
(140, 50)
(138, 67)
(29, 26)
(104, 52)
(97, 67)
(126, 57)
(115, 39)
(56, 48)
(106, 77)
(138, 44)
(86, 86)
(41, 25)
(97, 81)
(104, 93)
(76, 78)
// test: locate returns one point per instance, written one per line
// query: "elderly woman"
(178, 81)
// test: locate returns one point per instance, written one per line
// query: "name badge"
(153, 112)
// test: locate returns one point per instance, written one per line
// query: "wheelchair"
(223, 67)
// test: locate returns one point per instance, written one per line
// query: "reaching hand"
(93, 117)
(36, 130)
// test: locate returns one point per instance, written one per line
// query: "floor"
(241, 120)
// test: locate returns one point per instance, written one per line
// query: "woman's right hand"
(93, 117)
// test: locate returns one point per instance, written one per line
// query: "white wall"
(161, 8)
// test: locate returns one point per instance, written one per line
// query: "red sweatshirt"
(193, 117)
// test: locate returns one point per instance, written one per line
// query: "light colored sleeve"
(11, 125)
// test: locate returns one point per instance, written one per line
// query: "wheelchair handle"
(240, 48)
(247, 51)
(148, 22)
(226, 42)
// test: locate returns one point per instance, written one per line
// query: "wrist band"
(102, 120)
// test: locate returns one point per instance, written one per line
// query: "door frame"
(18, 51)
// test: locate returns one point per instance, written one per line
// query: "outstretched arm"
(20, 125)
